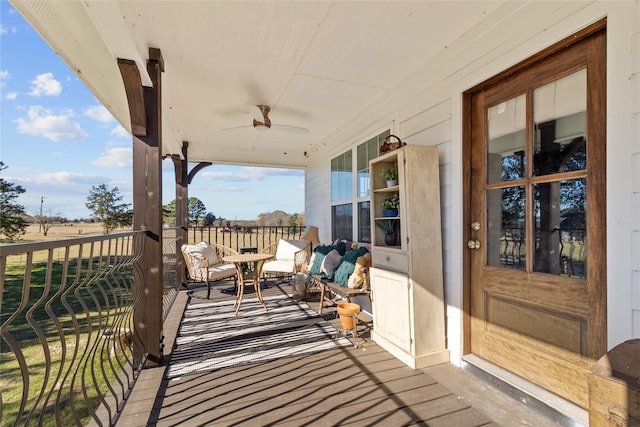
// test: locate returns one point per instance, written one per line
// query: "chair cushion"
(205, 250)
(288, 248)
(278, 266)
(219, 272)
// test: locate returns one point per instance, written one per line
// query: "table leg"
(240, 289)
(257, 268)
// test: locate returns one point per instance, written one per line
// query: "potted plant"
(390, 205)
(391, 176)
(389, 227)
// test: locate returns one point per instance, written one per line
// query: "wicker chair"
(204, 263)
(290, 257)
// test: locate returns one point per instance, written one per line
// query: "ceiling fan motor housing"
(265, 114)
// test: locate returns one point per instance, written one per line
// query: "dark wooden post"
(183, 179)
(145, 106)
(180, 166)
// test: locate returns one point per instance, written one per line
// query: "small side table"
(248, 276)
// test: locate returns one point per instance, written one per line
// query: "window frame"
(359, 199)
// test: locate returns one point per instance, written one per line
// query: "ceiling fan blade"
(287, 128)
(237, 127)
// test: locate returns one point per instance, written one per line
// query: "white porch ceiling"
(317, 64)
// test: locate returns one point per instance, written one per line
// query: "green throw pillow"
(348, 264)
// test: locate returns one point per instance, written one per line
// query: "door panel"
(536, 264)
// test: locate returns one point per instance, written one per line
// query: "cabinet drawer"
(390, 260)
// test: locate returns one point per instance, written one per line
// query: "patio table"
(249, 267)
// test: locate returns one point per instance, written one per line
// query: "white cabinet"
(406, 275)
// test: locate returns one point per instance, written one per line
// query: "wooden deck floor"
(352, 386)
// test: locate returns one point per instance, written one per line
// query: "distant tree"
(106, 206)
(275, 218)
(169, 213)
(209, 218)
(195, 210)
(12, 214)
(293, 220)
(47, 221)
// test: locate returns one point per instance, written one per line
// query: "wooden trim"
(135, 98)
(466, 220)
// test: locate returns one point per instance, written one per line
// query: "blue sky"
(58, 141)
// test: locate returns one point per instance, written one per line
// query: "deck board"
(348, 386)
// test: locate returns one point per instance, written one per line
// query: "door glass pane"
(506, 246)
(560, 121)
(506, 132)
(560, 227)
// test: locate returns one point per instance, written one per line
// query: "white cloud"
(45, 84)
(231, 176)
(120, 132)
(41, 122)
(4, 75)
(5, 30)
(99, 113)
(118, 157)
(11, 96)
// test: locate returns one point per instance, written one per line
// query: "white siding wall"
(426, 109)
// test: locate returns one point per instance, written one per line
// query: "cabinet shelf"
(394, 189)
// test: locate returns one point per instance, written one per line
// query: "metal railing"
(238, 237)
(66, 320)
(66, 327)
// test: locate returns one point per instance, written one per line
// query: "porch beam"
(147, 216)
(197, 169)
(135, 98)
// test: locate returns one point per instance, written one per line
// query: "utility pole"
(40, 219)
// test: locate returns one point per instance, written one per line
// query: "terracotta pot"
(348, 312)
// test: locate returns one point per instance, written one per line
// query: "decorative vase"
(348, 313)
(392, 183)
(390, 239)
(390, 212)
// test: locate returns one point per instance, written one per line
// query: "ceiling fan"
(262, 122)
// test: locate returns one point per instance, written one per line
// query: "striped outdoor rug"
(211, 337)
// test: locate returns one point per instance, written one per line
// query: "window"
(341, 177)
(342, 185)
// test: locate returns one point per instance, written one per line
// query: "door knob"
(475, 225)
(473, 244)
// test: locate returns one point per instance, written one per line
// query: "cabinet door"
(392, 307)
